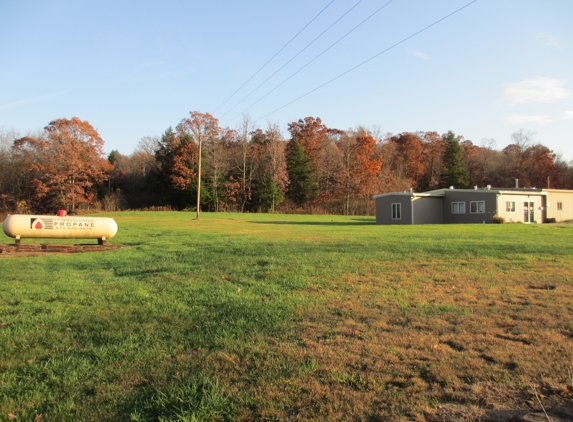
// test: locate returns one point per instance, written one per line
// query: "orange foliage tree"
(362, 164)
(367, 163)
(69, 163)
(433, 152)
(176, 157)
(410, 156)
(184, 164)
(540, 166)
(311, 134)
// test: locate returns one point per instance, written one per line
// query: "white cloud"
(32, 100)
(536, 90)
(420, 55)
(518, 119)
(549, 39)
(541, 119)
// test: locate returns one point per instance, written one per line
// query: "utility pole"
(199, 180)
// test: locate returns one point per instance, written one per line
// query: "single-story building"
(444, 206)
(559, 204)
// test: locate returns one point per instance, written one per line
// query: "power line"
(276, 54)
(316, 57)
(293, 57)
(368, 60)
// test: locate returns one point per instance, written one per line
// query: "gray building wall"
(435, 207)
(428, 210)
(384, 208)
(453, 195)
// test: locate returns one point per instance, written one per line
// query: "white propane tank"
(55, 227)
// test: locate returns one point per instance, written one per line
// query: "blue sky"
(134, 68)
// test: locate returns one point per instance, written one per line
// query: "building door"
(529, 212)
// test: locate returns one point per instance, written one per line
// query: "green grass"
(273, 317)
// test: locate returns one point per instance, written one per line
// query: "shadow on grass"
(198, 397)
(355, 222)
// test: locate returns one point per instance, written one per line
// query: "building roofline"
(558, 190)
(393, 194)
(522, 192)
(504, 191)
(518, 189)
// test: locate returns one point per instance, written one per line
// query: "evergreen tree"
(113, 156)
(301, 173)
(270, 195)
(456, 173)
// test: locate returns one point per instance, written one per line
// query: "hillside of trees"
(314, 169)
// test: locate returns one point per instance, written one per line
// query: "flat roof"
(558, 190)
(504, 191)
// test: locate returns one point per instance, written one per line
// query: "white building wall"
(519, 214)
(565, 197)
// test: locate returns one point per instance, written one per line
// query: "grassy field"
(282, 317)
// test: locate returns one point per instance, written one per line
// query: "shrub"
(498, 220)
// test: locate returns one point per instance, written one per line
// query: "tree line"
(315, 169)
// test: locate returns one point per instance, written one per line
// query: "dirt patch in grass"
(15, 251)
(458, 346)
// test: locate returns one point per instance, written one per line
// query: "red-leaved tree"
(69, 163)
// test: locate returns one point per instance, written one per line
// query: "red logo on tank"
(36, 224)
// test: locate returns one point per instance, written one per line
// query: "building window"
(396, 211)
(477, 207)
(560, 206)
(510, 206)
(458, 207)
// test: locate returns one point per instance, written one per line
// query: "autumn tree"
(482, 162)
(68, 164)
(330, 171)
(308, 137)
(539, 166)
(361, 163)
(133, 181)
(347, 146)
(176, 172)
(272, 168)
(112, 198)
(470, 157)
(563, 178)
(392, 177)
(216, 157)
(200, 127)
(5, 144)
(311, 134)
(15, 177)
(243, 161)
(255, 175)
(368, 163)
(143, 163)
(434, 147)
(522, 140)
(410, 156)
